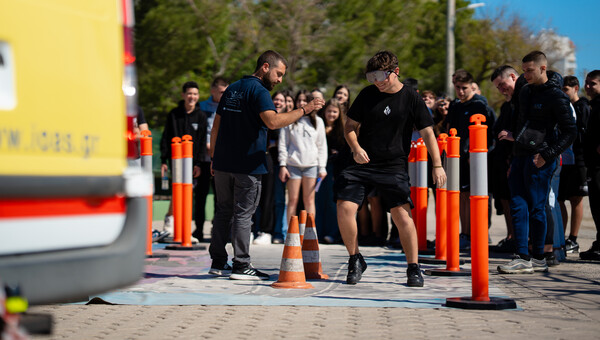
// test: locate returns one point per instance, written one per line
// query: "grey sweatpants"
(237, 198)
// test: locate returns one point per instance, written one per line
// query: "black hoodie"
(180, 123)
(545, 108)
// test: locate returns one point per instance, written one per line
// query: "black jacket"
(582, 110)
(591, 139)
(180, 123)
(546, 109)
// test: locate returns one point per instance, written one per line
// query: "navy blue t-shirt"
(242, 138)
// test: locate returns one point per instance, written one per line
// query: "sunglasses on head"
(374, 76)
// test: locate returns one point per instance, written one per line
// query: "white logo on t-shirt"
(387, 110)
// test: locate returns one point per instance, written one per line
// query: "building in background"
(560, 51)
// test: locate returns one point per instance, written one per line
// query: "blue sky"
(577, 19)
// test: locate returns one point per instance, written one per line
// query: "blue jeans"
(529, 189)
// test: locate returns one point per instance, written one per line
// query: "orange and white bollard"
(421, 189)
(453, 209)
(440, 213)
(412, 176)
(187, 175)
(177, 188)
(146, 159)
(441, 210)
(480, 298)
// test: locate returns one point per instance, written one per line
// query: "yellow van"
(72, 211)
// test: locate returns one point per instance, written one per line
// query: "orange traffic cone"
(302, 225)
(291, 273)
(310, 251)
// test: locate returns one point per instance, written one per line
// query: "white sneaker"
(262, 238)
(169, 224)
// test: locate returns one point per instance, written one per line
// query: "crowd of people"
(345, 161)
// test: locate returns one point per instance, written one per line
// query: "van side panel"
(72, 275)
(68, 65)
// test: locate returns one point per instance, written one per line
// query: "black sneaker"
(571, 246)
(248, 273)
(413, 275)
(158, 235)
(551, 259)
(591, 254)
(218, 270)
(507, 245)
(356, 266)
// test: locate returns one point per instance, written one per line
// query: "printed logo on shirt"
(387, 110)
(537, 106)
(305, 132)
(233, 101)
(466, 113)
(195, 126)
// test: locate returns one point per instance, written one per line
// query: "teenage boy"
(185, 119)
(573, 180)
(544, 129)
(385, 114)
(591, 143)
(459, 114)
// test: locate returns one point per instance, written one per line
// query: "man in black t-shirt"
(385, 113)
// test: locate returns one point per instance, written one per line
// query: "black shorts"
(572, 182)
(356, 181)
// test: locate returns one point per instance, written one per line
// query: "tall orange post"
(188, 169)
(187, 174)
(441, 208)
(421, 204)
(479, 208)
(146, 159)
(412, 175)
(480, 298)
(453, 209)
(177, 187)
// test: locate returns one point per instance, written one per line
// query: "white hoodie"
(303, 146)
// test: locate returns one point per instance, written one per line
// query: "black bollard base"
(446, 272)
(181, 247)
(428, 251)
(433, 260)
(495, 303)
(169, 240)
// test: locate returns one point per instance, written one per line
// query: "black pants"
(264, 219)
(594, 194)
(201, 192)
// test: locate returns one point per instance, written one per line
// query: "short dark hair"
(570, 81)
(595, 74)
(189, 85)
(270, 57)
(537, 57)
(219, 81)
(503, 71)
(382, 60)
(462, 76)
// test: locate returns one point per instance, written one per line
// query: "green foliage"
(326, 42)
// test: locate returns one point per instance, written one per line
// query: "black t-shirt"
(387, 121)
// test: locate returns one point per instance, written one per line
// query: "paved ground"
(564, 303)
